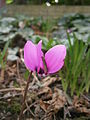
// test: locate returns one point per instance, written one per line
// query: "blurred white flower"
(56, 1)
(21, 24)
(48, 4)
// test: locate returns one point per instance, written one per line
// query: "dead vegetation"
(46, 99)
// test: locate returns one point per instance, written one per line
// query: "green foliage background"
(60, 2)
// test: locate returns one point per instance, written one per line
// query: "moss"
(82, 118)
(3, 106)
(16, 84)
(15, 107)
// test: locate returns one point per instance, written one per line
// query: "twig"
(2, 74)
(18, 61)
(10, 96)
(86, 98)
(37, 81)
(28, 108)
(18, 69)
(24, 98)
(11, 89)
(66, 111)
(31, 106)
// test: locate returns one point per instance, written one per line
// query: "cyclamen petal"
(35, 61)
(32, 55)
(55, 58)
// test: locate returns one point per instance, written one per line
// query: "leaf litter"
(46, 99)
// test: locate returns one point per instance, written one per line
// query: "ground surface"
(46, 99)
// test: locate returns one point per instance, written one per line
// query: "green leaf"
(9, 1)
(26, 75)
(4, 52)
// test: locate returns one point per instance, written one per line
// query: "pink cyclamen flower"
(53, 59)
(32, 55)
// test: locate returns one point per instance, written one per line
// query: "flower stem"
(24, 97)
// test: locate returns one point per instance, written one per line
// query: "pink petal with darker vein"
(32, 55)
(55, 58)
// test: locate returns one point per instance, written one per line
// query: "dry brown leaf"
(81, 105)
(43, 105)
(45, 90)
(58, 99)
(49, 81)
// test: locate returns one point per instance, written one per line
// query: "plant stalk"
(24, 97)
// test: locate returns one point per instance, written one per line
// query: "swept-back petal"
(55, 58)
(32, 55)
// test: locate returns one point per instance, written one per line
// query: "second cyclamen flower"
(53, 59)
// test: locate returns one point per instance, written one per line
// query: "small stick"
(11, 89)
(86, 98)
(25, 95)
